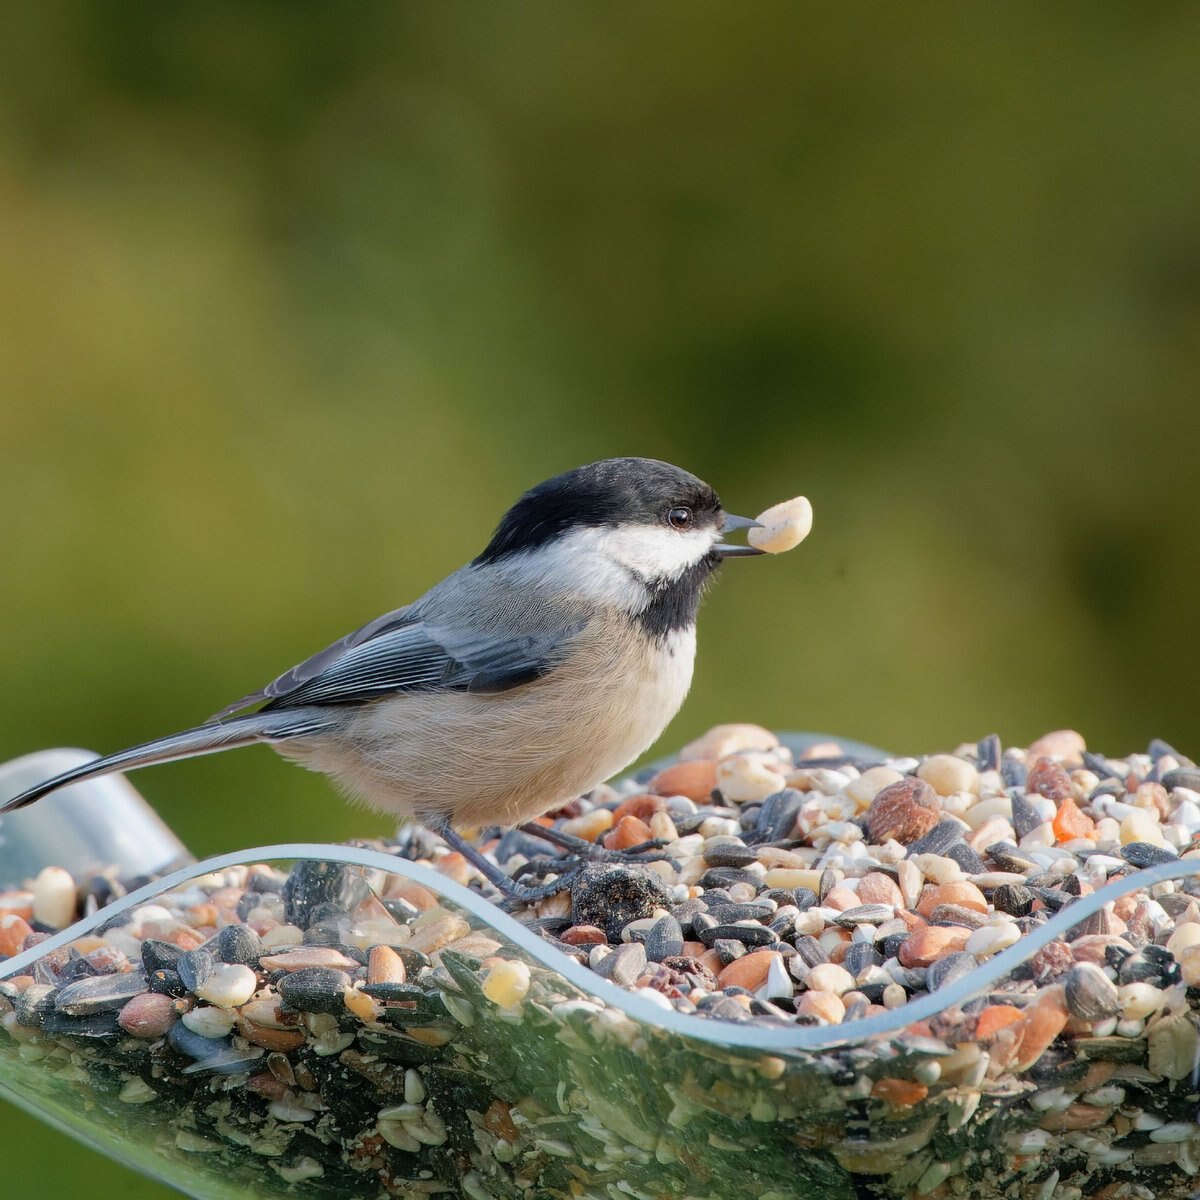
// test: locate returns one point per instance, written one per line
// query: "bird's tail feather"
(204, 739)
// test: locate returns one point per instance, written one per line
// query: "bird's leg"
(511, 888)
(576, 846)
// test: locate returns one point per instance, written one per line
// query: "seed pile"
(329, 1030)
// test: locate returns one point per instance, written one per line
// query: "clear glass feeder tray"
(465, 1075)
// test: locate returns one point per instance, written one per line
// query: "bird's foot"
(576, 847)
(516, 892)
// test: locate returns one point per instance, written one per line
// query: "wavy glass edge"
(713, 1032)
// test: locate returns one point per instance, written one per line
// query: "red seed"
(1048, 778)
(904, 811)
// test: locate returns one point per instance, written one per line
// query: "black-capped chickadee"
(525, 678)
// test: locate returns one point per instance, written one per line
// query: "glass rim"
(724, 1034)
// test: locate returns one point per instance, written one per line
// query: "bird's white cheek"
(655, 553)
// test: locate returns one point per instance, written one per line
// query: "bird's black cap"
(614, 491)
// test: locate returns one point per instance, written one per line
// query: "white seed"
(507, 983)
(395, 1133)
(785, 526)
(991, 939)
(947, 774)
(414, 1087)
(290, 1109)
(1174, 1131)
(136, 1091)
(778, 983)
(281, 936)
(743, 780)
(829, 977)
(1139, 1000)
(722, 740)
(54, 897)
(1140, 826)
(228, 985)
(209, 1021)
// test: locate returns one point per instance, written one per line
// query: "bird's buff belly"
(507, 758)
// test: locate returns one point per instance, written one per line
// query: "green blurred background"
(295, 299)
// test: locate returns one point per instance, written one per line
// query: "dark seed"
(948, 969)
(1052, 897)
(314, 989)
(160, 956)
(313, 884)
(938, 840)
(194, 1045)
(966, 858)
(239, 944)
(99, 994)
(1158, 749)
(1013, 773)
(92, 1025)
(860, 956)
(730, 856)
(195, 966)
(665, 939)
(890, 946)
(743, 911)
(1008, 857)
(1110, 1049)
(716, 877)
(1091, 995)
(810, 950)
(414, 960)
(987, 753)
(685, 912)
(1137, 968)
(784, 922)
(728, 950)
(627, 961)
(400, 993)
(34, 1005)
(955, 914)
(1115, 955)
(804, 898)
(725, 1008)
(750, 935)
(1012, 898)
(1185, 777)
(167, 983)
(1026, 818)
(1098, 766)
(865, 914)
(777, 816)
(1143, 854)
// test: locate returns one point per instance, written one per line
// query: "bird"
(541, 668)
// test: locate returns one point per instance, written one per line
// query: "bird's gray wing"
(315, 664)
(402, 653)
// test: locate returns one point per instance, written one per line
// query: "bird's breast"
(508, 757)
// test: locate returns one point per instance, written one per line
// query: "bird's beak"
(732, 524)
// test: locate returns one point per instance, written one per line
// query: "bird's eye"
(679, 518)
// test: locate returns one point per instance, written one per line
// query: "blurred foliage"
(297, 298)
